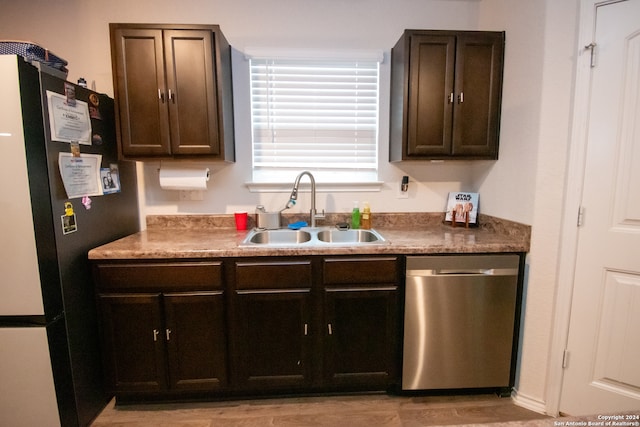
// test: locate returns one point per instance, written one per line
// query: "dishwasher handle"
(464, 272)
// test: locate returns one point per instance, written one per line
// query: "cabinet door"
(360, 337)
(196, 340)
(273, 339)
(191, 91)
(430, 105)
(478, 91)
(141, 95)
(134, 343)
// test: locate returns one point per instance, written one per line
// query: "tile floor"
(376, 410)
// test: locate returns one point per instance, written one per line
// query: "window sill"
(321, 187)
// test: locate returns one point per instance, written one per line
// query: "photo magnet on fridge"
(69, 224)
(110, 179)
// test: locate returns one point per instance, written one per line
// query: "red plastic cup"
(241, 220)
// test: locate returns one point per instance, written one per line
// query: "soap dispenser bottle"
(365, 221)
(355, 216)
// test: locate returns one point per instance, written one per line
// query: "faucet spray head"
(292, 199)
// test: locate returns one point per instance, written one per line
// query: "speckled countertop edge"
(214, 236)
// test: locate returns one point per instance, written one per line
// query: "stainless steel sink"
(324, 236)
(349, 236)
(278, 237)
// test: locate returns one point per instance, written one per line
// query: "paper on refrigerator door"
(68, 121)
(80, 175)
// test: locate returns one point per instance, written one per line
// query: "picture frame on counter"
(462, 209)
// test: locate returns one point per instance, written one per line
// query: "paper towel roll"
(184, 178)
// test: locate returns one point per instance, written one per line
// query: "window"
(314, 114)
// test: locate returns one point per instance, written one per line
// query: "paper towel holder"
(183, 178)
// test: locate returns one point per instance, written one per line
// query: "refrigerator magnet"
(75, 148)
(70, 94)
(69, 224)
(110, 179)
(86, 202)
(94, 110)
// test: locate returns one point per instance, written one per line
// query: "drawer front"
(366, 270)
(160, 276)
(273, 274)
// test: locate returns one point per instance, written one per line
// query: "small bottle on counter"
(365, 220)
(355, 216)
(82, 82)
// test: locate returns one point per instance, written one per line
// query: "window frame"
(337, 179)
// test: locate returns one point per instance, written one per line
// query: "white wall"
(525, 185)
(560, 51)
(539, 78)
(519, 131)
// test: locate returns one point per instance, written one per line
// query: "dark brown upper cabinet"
(446, 89)
(173, 91)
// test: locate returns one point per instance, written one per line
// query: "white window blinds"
(314, 114)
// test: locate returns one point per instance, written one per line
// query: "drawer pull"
(330, 328)
(167, 332)
(155, 335)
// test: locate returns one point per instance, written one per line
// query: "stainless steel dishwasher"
(459, 321)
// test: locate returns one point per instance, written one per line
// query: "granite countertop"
(214, 236)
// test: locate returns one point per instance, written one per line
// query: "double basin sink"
(312, 237)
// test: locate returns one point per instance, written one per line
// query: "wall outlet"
(191, 195)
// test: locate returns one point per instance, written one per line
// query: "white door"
(603, 359)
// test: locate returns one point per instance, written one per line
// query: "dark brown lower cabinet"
(196, 346)
(270, 337)
(360, 337)
(360, 305)
(315, 324)
(273, 342)
(133, 347)
(158, 342)
(248, 326)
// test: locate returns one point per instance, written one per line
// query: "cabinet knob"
(155, 335)
(451, 98)
(172, 97)
(161, 96)
(330, 328)
(461, 98)
(167, 332)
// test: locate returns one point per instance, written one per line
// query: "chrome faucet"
(294, 196)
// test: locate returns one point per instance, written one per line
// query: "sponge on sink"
(297, 225)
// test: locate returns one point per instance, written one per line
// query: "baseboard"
(530, 403)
